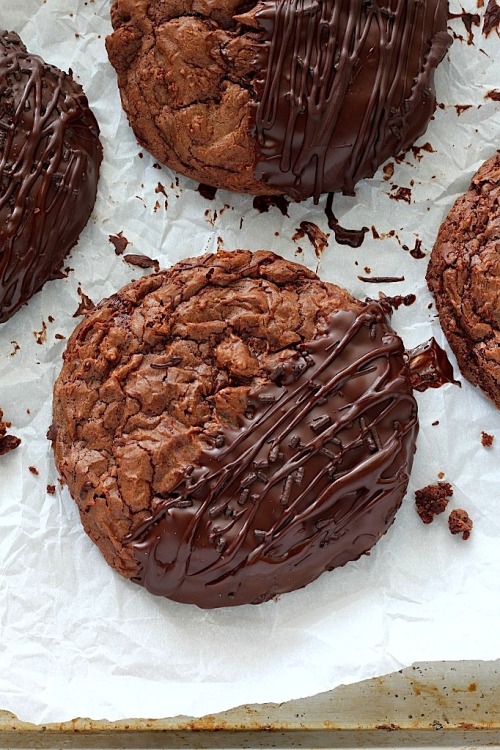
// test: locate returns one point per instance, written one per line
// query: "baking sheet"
(77, 640)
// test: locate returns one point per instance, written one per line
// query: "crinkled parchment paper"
(77, 640)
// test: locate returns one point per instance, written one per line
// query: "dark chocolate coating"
(50, 155)
(312, 479)
(345, 84)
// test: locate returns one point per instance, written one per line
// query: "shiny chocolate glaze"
(49, 163)
(345, 84)
(312, 479)
(429, 366)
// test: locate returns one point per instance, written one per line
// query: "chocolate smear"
(262, 203)
(351, 237)
(491, 18)
(469, 20)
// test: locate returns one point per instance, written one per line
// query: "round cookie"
(464, 276)
(50, 155)
(233, 427)
(278, 96)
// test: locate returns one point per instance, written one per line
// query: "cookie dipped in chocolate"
(233, 426)
(50, 155)
(311, 480)
(344, 85)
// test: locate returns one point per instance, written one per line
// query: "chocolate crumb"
(381, 279)
(435, 424)
(207, 191)
(86, 305)
(34, 470)
(459, 522)
(119, 241)
(7, 442)
(460, 108)
(401, 194)
(51, 489)
(318, 239)
(142, 261)
(432, 500)
(494, 95)
(487, 440)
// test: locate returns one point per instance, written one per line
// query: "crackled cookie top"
(233, 427)
(279, 96)
(464, 275)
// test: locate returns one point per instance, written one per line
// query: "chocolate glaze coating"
(50, 155)
(233, 427)
(293, 97)
(464, 276)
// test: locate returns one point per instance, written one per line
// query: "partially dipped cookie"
(233, 427)
(50, 155)
(464, 276)
(295, 97)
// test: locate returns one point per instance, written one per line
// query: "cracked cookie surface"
(232, 427)
(464, 275)
(272, 97)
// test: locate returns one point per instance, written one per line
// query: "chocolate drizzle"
(345, 84)
(49, 162)
(311, 480)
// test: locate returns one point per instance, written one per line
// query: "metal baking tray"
(443, 704)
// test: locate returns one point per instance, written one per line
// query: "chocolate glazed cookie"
(49, 164)
(233, 427)
(297, 97)
(464, 275)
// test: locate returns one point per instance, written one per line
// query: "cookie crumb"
(460, 523)
(487, 440)
(7, 442)
(34, 470)
(432, 500)
(51, 489)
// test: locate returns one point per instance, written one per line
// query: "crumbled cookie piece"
(459, 522)
(487, 440)
(432, 500)
(7, 442)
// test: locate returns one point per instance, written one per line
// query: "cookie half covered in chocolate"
(464, 275)
(233, 427)
(50, 155)
(296, 97)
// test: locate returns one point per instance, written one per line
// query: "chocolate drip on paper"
(345, 84)
(312, 478)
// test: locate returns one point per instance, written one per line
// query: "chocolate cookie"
(49, 164)
(233, 427)
(464, 275)
(278, 96)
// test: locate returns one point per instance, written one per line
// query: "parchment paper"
(76, 639)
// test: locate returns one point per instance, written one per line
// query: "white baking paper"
(76, 639)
